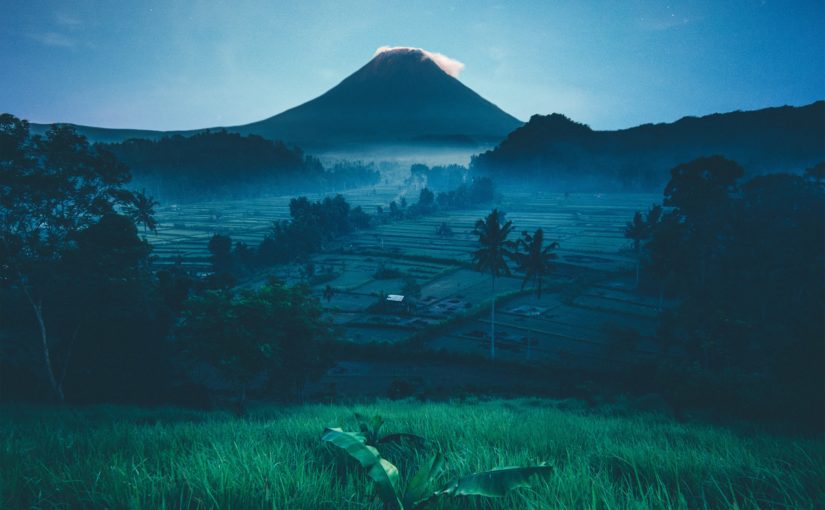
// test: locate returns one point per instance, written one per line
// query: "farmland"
(590, 315)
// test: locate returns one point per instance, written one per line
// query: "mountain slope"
(555, 148)
(400, 96)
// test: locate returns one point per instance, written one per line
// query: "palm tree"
(492, 234)
(535, 261)
(142, 211)
(641, 229)
(329, 292)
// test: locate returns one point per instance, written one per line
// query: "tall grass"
(112, 457)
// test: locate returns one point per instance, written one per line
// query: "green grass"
(111, 457)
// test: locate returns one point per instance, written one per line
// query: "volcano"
(401, 95)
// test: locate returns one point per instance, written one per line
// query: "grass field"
(110, 457)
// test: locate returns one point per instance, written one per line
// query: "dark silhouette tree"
(142, 211)
(536, 259)
(492, 256)
(640, 229)
(220, 246)
(52, 189)
(701, 193)
(275, 330)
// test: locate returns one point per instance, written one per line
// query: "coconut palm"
(641, 229)
(492, 233)
(536, 259)
(535, 262)
(142, 211)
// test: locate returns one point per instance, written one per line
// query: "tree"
(52, 189)
(535, 262)
(641, 229)
(55, 192)
(142, 211)
(536, 259)
(702, 195)
(492, 233)
(275, 330)
(444, 230)
(426, 198)
(220, 246)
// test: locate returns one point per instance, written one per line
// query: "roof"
(395, 298)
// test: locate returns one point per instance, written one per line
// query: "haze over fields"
(549, 255)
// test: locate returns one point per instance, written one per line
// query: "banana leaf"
(420, 482)
(380, 470)
(495, 483)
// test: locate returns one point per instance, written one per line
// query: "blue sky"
(611, 64)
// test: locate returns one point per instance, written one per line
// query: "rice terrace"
(604, 290)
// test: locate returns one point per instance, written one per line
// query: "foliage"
(492, 256)
(495, 249)
(555, 150)
(64, 243)
(740, 258)
(444, 230)
(536, 259)
(276, 331)
(438, 177)
(53, 457)
(418, 492)
(222, 163)
(640, 229)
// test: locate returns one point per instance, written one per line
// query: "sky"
(611, 64)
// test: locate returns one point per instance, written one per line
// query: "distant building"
(397, 303)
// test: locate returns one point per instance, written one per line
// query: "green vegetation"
(744, 261)
(219, 163)
(419, 491)
(555, 150)
(275, 332)
(127, 457)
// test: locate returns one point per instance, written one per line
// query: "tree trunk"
(493, 323)
(44, 339)
(638, 264)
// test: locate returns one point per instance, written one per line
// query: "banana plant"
(371, 429)
(418, 492)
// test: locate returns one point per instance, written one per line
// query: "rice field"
(589, 315)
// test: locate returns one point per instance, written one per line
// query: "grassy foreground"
(112, 457)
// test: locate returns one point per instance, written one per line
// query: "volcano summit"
(401, 95)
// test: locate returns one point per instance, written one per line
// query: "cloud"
(449, 65)
(53, 39)
(67, 20)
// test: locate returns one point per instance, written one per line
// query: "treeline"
(219, 163)
(84, 318)
(556, 151)
(744, 259)
(438, 177)
(313, 224)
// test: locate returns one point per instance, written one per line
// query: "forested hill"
(219, 162)
(567, 153)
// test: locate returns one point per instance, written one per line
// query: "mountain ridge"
(555, 147)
